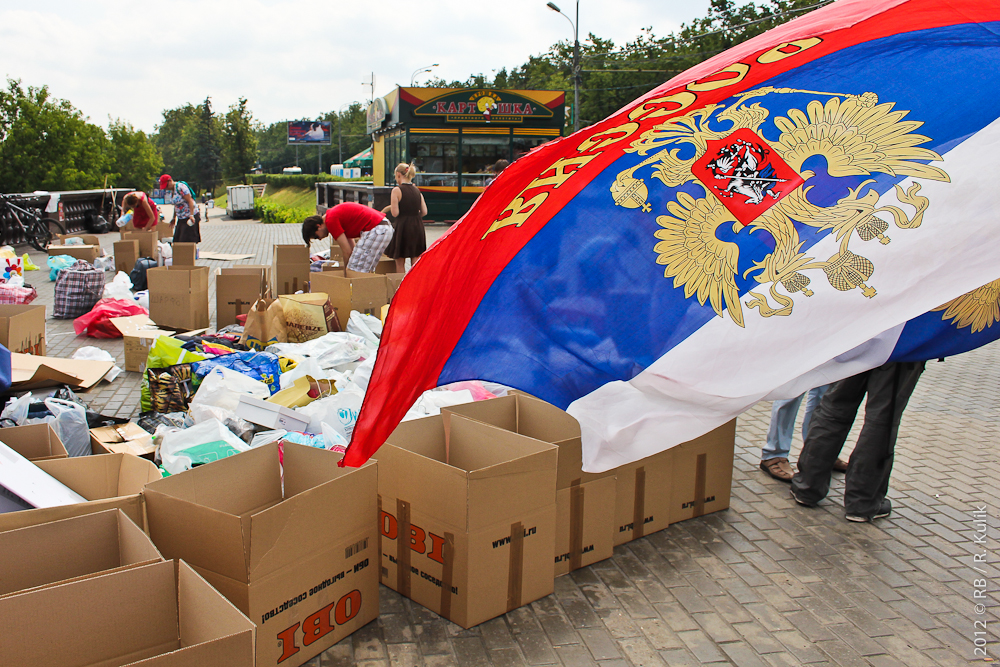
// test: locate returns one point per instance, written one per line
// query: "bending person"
(144, 211)
(345, 222)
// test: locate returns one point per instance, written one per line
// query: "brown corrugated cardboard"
(300, 559)
(70, 549)
(126, 255)
(394, 279)
(178, 296)
(290, 269)
(165, 231)
(29, 371)
(467, 517)
(184, 254)
(22, 328)
(88, 253)
(385, 266)
(642, 497)
(125, 438)
(35, 442)
(236, 289)
(585, 502)
(160, 614)
(88, 239)
(703, 474)
(138, 333)
(365, 293)
(112, 481)
(148, 246)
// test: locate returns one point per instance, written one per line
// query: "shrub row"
(307, 181)
(271, 212)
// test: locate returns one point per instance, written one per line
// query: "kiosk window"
(478, 155)
(524, 144)
(436, 159)
(394, 146)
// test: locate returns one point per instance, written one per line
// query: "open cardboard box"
(35, 442)
(22, 328)
(236, 290)
(126, 255)
(297, 555)
(184, 254)
(363, 292)
(112, 481)
(468, 517)
(178, 296)
(70, 549)
(703, 474)
(88, 253)
(125, 438)
(585, 503)
(148, 241)
(139, 333)
(159, 614)
(290, 269)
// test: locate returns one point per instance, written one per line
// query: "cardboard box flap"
(34, 441)
(29, 371)
(483, 449)
(67, 549)
(404, 474)
(314, 520)
(178, 526)
(93, 477)
(204, 614)
(291, 254)
(137, 607)
(500, 412)
(544, 421)
(137, 325)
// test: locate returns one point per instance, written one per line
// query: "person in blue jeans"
(774, 455)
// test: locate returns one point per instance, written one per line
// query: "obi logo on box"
(418, 537)
(320, 623)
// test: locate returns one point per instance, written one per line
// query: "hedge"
(307, 181)
(274, 213)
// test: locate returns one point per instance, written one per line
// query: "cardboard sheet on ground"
(32, 372)
(224, 256)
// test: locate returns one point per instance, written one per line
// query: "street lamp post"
(421, 71)
(340, 133)
(576, 60)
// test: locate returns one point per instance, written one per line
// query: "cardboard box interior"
(35, 442)
(311, 542)
(112, 481)
(125, 438)
(88, 253)
(68, 549)
(143, 615)
(22, 328)
(148, 242)
(478, 503)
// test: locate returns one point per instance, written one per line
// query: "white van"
(292, 170)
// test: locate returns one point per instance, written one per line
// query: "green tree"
(208, 153)
(133, 156)
(239, 141)
(47, 144)
(177, 142)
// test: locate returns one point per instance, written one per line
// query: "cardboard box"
(126, 255)
(139, 333)
(468, 516)
(585, 503)
(126, 438)
(703, 474)
(23, 485)
(178, 296)
(35, 442)
(365, 293)
(88, 239)
(147, 239)
(88, 253)
(385, 266)
(291, 269)
(165, 230)
(300, 559)
(22, 328)
(271, 415)
(29, 371)
(236, 290)
(113, 481)
(160, 614)
(71, 549)
(392, 284)
(184, 254)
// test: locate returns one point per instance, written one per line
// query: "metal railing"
(73, 209)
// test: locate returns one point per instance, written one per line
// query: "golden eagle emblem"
(977, 309)
(735, 177)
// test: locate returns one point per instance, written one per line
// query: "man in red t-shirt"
(345, 222)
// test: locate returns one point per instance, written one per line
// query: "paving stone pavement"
(764, 583)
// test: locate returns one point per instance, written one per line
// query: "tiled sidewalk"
(764, 583)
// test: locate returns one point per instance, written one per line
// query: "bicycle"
(37, 231)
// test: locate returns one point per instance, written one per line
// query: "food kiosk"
(454, 135)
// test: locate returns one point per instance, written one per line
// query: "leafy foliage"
(349, 139)
(307, 181)
(133, 156)
(239, 141)
(271, 212)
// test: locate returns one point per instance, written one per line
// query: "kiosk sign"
(482, 106)
(375, 115)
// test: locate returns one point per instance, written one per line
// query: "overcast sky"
(290, 58)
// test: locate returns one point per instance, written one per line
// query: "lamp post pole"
(576, 60)
(428, 68)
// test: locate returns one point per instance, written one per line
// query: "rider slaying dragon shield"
(756, 184)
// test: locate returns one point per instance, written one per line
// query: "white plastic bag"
(71, 425)
(166, 250)
(339, 411)
(105, 263)
(142, 298)
(119, 288)
(368, 327)
(202, 443)
(333, 350)
(431, 402)
(219, 394)
(92, 353)
(16, 409)
(363, 374)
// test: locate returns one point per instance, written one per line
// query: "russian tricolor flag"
(788, 213)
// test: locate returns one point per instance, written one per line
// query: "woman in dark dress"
(408, 209)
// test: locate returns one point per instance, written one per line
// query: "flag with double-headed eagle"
(804, 206)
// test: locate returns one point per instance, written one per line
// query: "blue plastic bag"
(57, 263)
(261, 366)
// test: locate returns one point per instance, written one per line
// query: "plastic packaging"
(28, 264)
(7, 252)
(119, 288)
(365, 326)
(219, 394)
(339, 412)
(124, 219)
(70, 425)
(261, 366)
(105, 263)
(58, 263)
(202, 443)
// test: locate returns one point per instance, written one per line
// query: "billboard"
(309, 132)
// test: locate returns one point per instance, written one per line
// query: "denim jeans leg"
(813, 397)
(779, 433)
